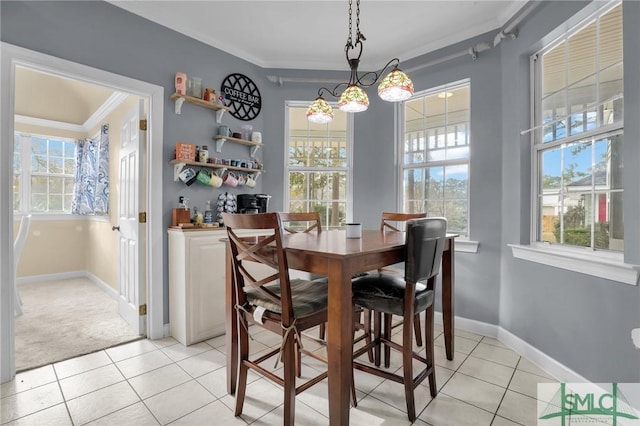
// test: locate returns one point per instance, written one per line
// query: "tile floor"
(162, 382)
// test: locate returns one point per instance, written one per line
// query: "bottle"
(203, 156)
(208, 214)
(197, 153)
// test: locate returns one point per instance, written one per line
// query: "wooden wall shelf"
(181, 99)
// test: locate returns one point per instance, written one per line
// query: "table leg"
(448, 277)
(231, 326)
(339, 342)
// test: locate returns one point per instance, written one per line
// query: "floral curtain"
(91, 186)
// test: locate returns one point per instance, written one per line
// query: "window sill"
(466, 246)
(605, 265)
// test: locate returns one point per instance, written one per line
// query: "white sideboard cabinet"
(196, 284)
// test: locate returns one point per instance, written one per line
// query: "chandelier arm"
(361, 80)
(333, 92)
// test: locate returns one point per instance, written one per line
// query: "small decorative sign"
(243, 96)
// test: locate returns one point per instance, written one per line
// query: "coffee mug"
(187, 175)
(256, 137)
(231, 179)
(251, 182)
(203, 177)
(224, 131)
(241, 180)
(353, 230)
(216, 181)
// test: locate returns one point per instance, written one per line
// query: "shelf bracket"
(254, 151)
(219, 114)
(179, 103)
(219, 144)
(177, 169)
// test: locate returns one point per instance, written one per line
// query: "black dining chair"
(390, 294)
(391, 221)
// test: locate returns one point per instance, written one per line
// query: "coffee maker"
(253, 203)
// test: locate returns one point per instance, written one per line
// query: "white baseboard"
(51, 277)
(104, 286)
(113, 293)
(554, 368)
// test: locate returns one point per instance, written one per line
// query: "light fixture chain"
(358, 35)
(349, 38)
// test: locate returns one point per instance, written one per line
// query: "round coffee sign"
(243, 96)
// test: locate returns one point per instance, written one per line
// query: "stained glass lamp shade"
(396, 86)
(320, 111)
(353, 99)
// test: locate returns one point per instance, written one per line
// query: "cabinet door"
(205, 295)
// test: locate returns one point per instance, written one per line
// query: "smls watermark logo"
(565, 404)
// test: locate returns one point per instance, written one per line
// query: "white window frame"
(26, 173)
(348, 169)
(463, 243)
(604, 264)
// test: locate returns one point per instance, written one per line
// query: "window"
(578, 136)
(435, 154)
(318, 165)
(44, 171)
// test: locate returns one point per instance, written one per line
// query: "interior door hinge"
(143, 124)
(142, 309)
(142, 217)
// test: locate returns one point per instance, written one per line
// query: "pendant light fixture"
(395, 87)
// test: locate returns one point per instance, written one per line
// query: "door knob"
(115, 228)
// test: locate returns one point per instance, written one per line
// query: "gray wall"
(582, 322)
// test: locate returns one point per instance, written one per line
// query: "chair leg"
(243, 355)
(418, 329)
(387, 335)
(289, 374)
(367, 330)
(321, 331)
(407, 367)
(298, 357)
(377, 324)
(428, 339)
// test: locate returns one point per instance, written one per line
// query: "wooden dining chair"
(269, 299)
(390, 294)
(293, 222)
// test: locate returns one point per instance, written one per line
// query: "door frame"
(11, 57)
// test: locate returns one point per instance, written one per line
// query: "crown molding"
(103, 111)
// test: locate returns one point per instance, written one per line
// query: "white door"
(132, 233)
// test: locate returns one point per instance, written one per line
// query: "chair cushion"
(385, 293)
(308, 297)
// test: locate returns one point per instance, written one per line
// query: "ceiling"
(46, 96)
(311, 34)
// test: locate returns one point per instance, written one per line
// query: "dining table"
(332, 254)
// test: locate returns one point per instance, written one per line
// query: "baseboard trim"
(104, 286)
(51, 277)
(554, 368)
(67, 276)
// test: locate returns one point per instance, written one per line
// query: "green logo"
(601, 404)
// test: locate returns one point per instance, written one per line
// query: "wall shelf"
(181, 99)
(178, 165)
(220, 140)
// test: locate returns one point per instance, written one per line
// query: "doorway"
(14, 57)
(65, 255)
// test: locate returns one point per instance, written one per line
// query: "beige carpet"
(66, 318)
